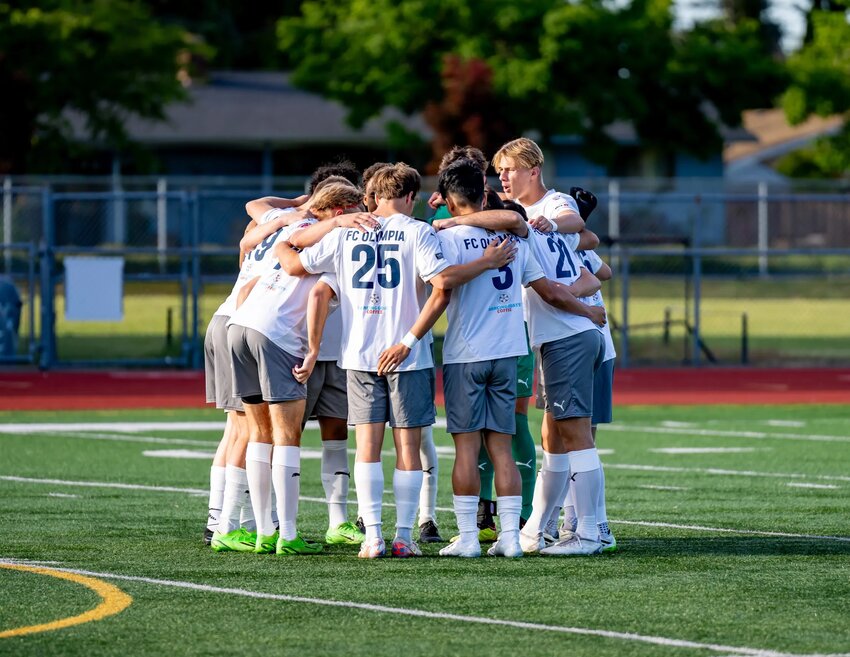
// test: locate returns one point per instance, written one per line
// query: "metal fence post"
(7, 221)
(48, 295)
(119, 209)
(195, 361)
(162, 222)
(696, 261)
(762, 228)
(624, 329)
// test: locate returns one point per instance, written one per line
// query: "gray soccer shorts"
(260, 367)
(402, 398)
(217, 366)
(327, 392)
(603, 392)
(481, 395)
(569, 365)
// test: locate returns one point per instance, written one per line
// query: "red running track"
(94, 390)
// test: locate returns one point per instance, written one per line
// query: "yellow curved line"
(113, 601)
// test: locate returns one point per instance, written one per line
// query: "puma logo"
(296, 474)
(573, 476)
(429, 470)
(342, 472)
(526, 464)
(560, 405)
(523, 381)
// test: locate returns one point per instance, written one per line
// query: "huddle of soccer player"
(331, 317)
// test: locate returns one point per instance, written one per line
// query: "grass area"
(738, 588)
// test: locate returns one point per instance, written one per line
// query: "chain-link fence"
(705, 272)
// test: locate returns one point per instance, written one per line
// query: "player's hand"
(362, 221)
(442, 224)
(597, 315)
(303, 371)
(391, 358)
(498, 254)
(436, 201)
(542, 224)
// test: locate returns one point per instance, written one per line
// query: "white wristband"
(554, 225)
(409, 340)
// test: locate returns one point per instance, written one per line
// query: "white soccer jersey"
(555, 254)
(485, 315)
(381, 277)
(332, 335)
(552, 204)
(256, 263)
(277, 306)
(594, 263)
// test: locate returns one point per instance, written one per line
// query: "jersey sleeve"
(321, 257)
(447, 243)
(274, 213)
(572, 240)
(531, 270)
(430, 260)
(591, 260)
(560, 204)
(329, 279)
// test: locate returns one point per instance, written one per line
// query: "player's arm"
(242, 250)
(288, 259)
(311, 235)
(318, 309)
(259, 232)
(569, 221)
(436, 305)
(259, 206)
(585, 285)
(497, 254)
(587, 240)
(604, 273)
(495, 220)
(559, 295)
(246, 290)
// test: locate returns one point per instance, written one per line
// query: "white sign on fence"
(94, 289)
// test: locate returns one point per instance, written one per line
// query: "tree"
(98, 60)
(546, 65)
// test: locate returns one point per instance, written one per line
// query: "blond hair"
(331, 180)
(336, 195)
(524, 152)
(395, 181)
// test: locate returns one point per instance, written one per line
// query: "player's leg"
(217, 481)
(428, 531)
(465, 486)
(603, 385)
(524, 448)
(368, 411)
(236, 512)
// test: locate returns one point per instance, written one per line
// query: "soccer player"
(267, 337)
(381, 278)
(571, 349)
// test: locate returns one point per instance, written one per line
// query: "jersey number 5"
(389, 268)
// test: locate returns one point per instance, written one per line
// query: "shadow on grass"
(732, 546)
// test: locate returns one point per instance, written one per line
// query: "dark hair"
(463, 181)
(371, 170)
(516, 207)
(492, 200)
(463, 153)
(342, 168)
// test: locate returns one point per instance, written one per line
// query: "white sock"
(286, 477)
(258, 466)
(466, 511)
(548, 491)
(430, 474)
(246, 517)
(586, 481)
(335, 480)
(235, 485)
(217, 482)
(601, 509)
(369, 481)
(510, 506)
(570, 518)
(407, 484)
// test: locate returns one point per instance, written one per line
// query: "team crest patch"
(504, 298)
(374, 299)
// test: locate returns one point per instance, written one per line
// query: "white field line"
(310, 454)
(124, 438)
(653, 487)
(797, 424)
(443, 616)
(719, 433)
(802, 485)
(704, 450)
(720, 471)
(63, 495)
(321, 500)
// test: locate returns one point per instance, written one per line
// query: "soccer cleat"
(266, 544)
(402, 549)
(208, 534)
(567, 529)
(531, 544)
(551, 527)
(573, 546)
(344, 534)
(461, 549)
(372, 548)
(548, 539)
(297, 545)
(239, 540)
(428, 533)
(609, 543)
(507, 546)
(485, 535)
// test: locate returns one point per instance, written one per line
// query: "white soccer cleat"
(531, 544)
(548, 539)
(574, 546)
(567, 529)
(609, 543)
(506, 546)
(462, 549)
(372, 548)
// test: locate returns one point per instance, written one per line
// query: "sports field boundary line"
(445, 616)
(321, 500)
(721, 471)
(726, 433)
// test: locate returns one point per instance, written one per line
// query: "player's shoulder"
(286, 231)
(557, 203)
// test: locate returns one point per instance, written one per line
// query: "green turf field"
(740, 551)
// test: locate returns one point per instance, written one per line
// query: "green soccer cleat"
(297, 546)
(344, 534)
(239, 540)
(266, 544)
(485, 535)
